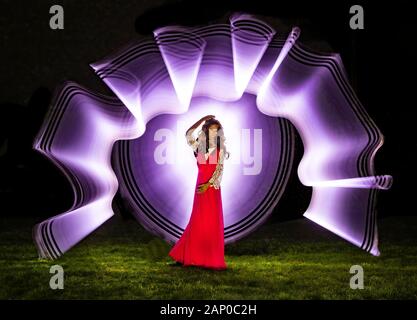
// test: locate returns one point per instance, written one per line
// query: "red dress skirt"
(202, 243)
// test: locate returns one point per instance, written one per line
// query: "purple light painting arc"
(146, 92)
(182, 52)
(340, 141)
(216, 78)
(257, 84)
(250, 39)
(77, 136)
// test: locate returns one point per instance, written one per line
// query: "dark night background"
(35, 59)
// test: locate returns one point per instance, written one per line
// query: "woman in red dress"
(202, 243)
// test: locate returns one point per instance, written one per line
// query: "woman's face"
(213, 131)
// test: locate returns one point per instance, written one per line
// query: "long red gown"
(202, 243)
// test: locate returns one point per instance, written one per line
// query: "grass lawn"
(289, 260)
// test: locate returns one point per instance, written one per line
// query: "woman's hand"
(203, 187)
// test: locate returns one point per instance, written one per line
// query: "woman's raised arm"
(191, 141)
(195, 125)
